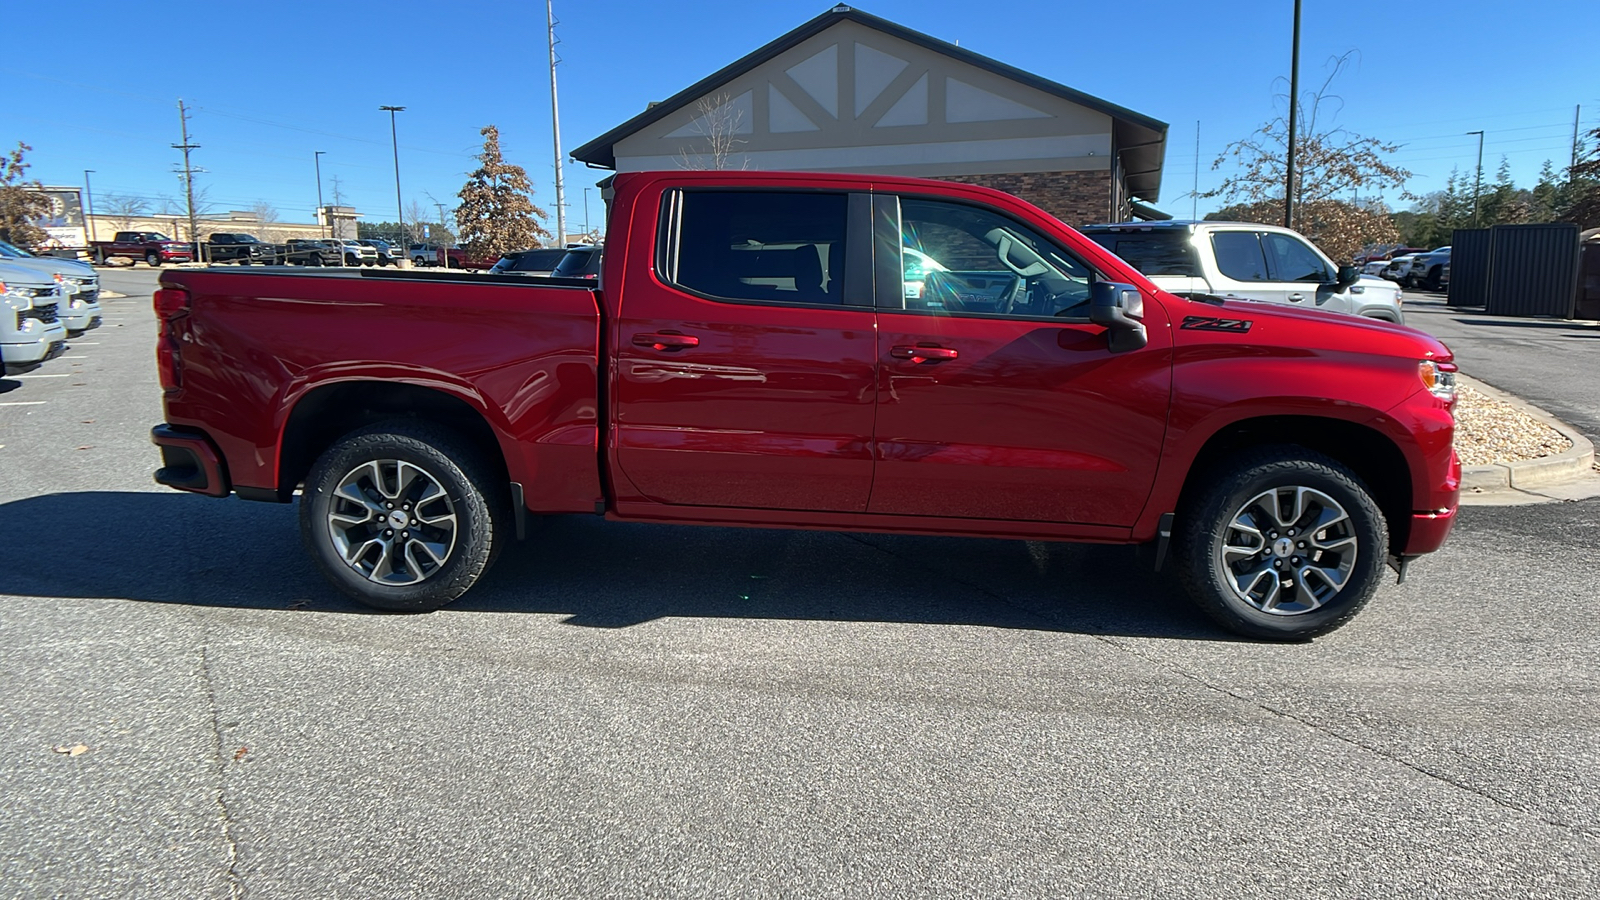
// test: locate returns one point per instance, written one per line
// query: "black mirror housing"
(1119, 307)
(1348, 275)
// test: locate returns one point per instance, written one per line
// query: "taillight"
(170, 305)
(170, 302)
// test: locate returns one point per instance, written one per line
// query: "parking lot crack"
(1389, 755)
(219, 761)
(1269, 709)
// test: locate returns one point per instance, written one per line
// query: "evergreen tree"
(1545, 194)
(497, 214)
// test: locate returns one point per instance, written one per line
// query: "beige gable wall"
(855, 99)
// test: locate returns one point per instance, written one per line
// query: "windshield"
(11, 251)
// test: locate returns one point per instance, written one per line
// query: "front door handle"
(1296, 298)
(923, 353)
(666, 340)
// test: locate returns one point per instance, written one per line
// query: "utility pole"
(188, 178)
(322, 214)
(1194, 195)
(88, 194)
(555, 128)
(437, 205)
(586, 212)
(399, 213)
(1294, 109)
(1477, 185)
(1576, 110)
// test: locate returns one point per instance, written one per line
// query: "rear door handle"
(666, 340)
(922, 354)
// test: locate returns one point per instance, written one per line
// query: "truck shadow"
(182, 549)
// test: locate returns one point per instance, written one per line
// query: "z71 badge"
(1212, 323)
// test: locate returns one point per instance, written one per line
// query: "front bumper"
(19, 357)
(189, 462)
(79, 316)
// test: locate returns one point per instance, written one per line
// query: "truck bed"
(262, 349)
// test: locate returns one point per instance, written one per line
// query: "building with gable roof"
(851, 92)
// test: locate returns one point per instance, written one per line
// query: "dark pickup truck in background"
(313, 252)
(244, 249)
(153, 247)
(855, 353)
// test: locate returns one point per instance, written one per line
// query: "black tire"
(1435, 277)
(1208, 521)
(476, 496)
(351, 260)
(152, 260)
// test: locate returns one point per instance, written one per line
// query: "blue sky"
(267, 92)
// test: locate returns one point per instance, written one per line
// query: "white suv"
(1245, 261)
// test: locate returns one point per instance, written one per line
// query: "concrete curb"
(1546, 471)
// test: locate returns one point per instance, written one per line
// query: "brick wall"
(1076, 198)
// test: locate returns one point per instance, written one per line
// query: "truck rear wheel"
(1284, 544)
(402, 515)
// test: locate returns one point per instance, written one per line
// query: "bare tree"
(122, 209)
(264, 212)
(719, 122)
(1337, 174)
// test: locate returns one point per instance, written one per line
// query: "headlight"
(1439, 378)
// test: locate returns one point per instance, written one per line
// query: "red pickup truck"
(153, 247)
(817, 351)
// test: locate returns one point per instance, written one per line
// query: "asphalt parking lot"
(646, 711)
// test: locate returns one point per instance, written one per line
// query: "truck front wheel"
(1283, 544)
(402, 515)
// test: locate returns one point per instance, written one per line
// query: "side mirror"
(1119, 307)
(1348, 275)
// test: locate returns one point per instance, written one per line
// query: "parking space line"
(85, 343)
(20, 377)
(23, 403)
(74, 357)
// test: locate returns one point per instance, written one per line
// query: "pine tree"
(497, 214)
(1545, 193)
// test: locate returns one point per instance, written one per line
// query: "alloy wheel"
(1288, 550)
(392, 522)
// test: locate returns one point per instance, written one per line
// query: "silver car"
(80, 307)
(31, 331)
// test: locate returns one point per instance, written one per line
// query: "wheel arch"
(326, 412)
(1373, 456)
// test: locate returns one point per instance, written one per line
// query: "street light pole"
(399, 212)
(88, 194)
(555, 128)
(1294, 109)
(1477, 184)
(586, 213)
(322, 213)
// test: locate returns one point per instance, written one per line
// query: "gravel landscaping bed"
(1490, 431)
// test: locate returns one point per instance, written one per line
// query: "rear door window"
(774, 246)
(1239, 255)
